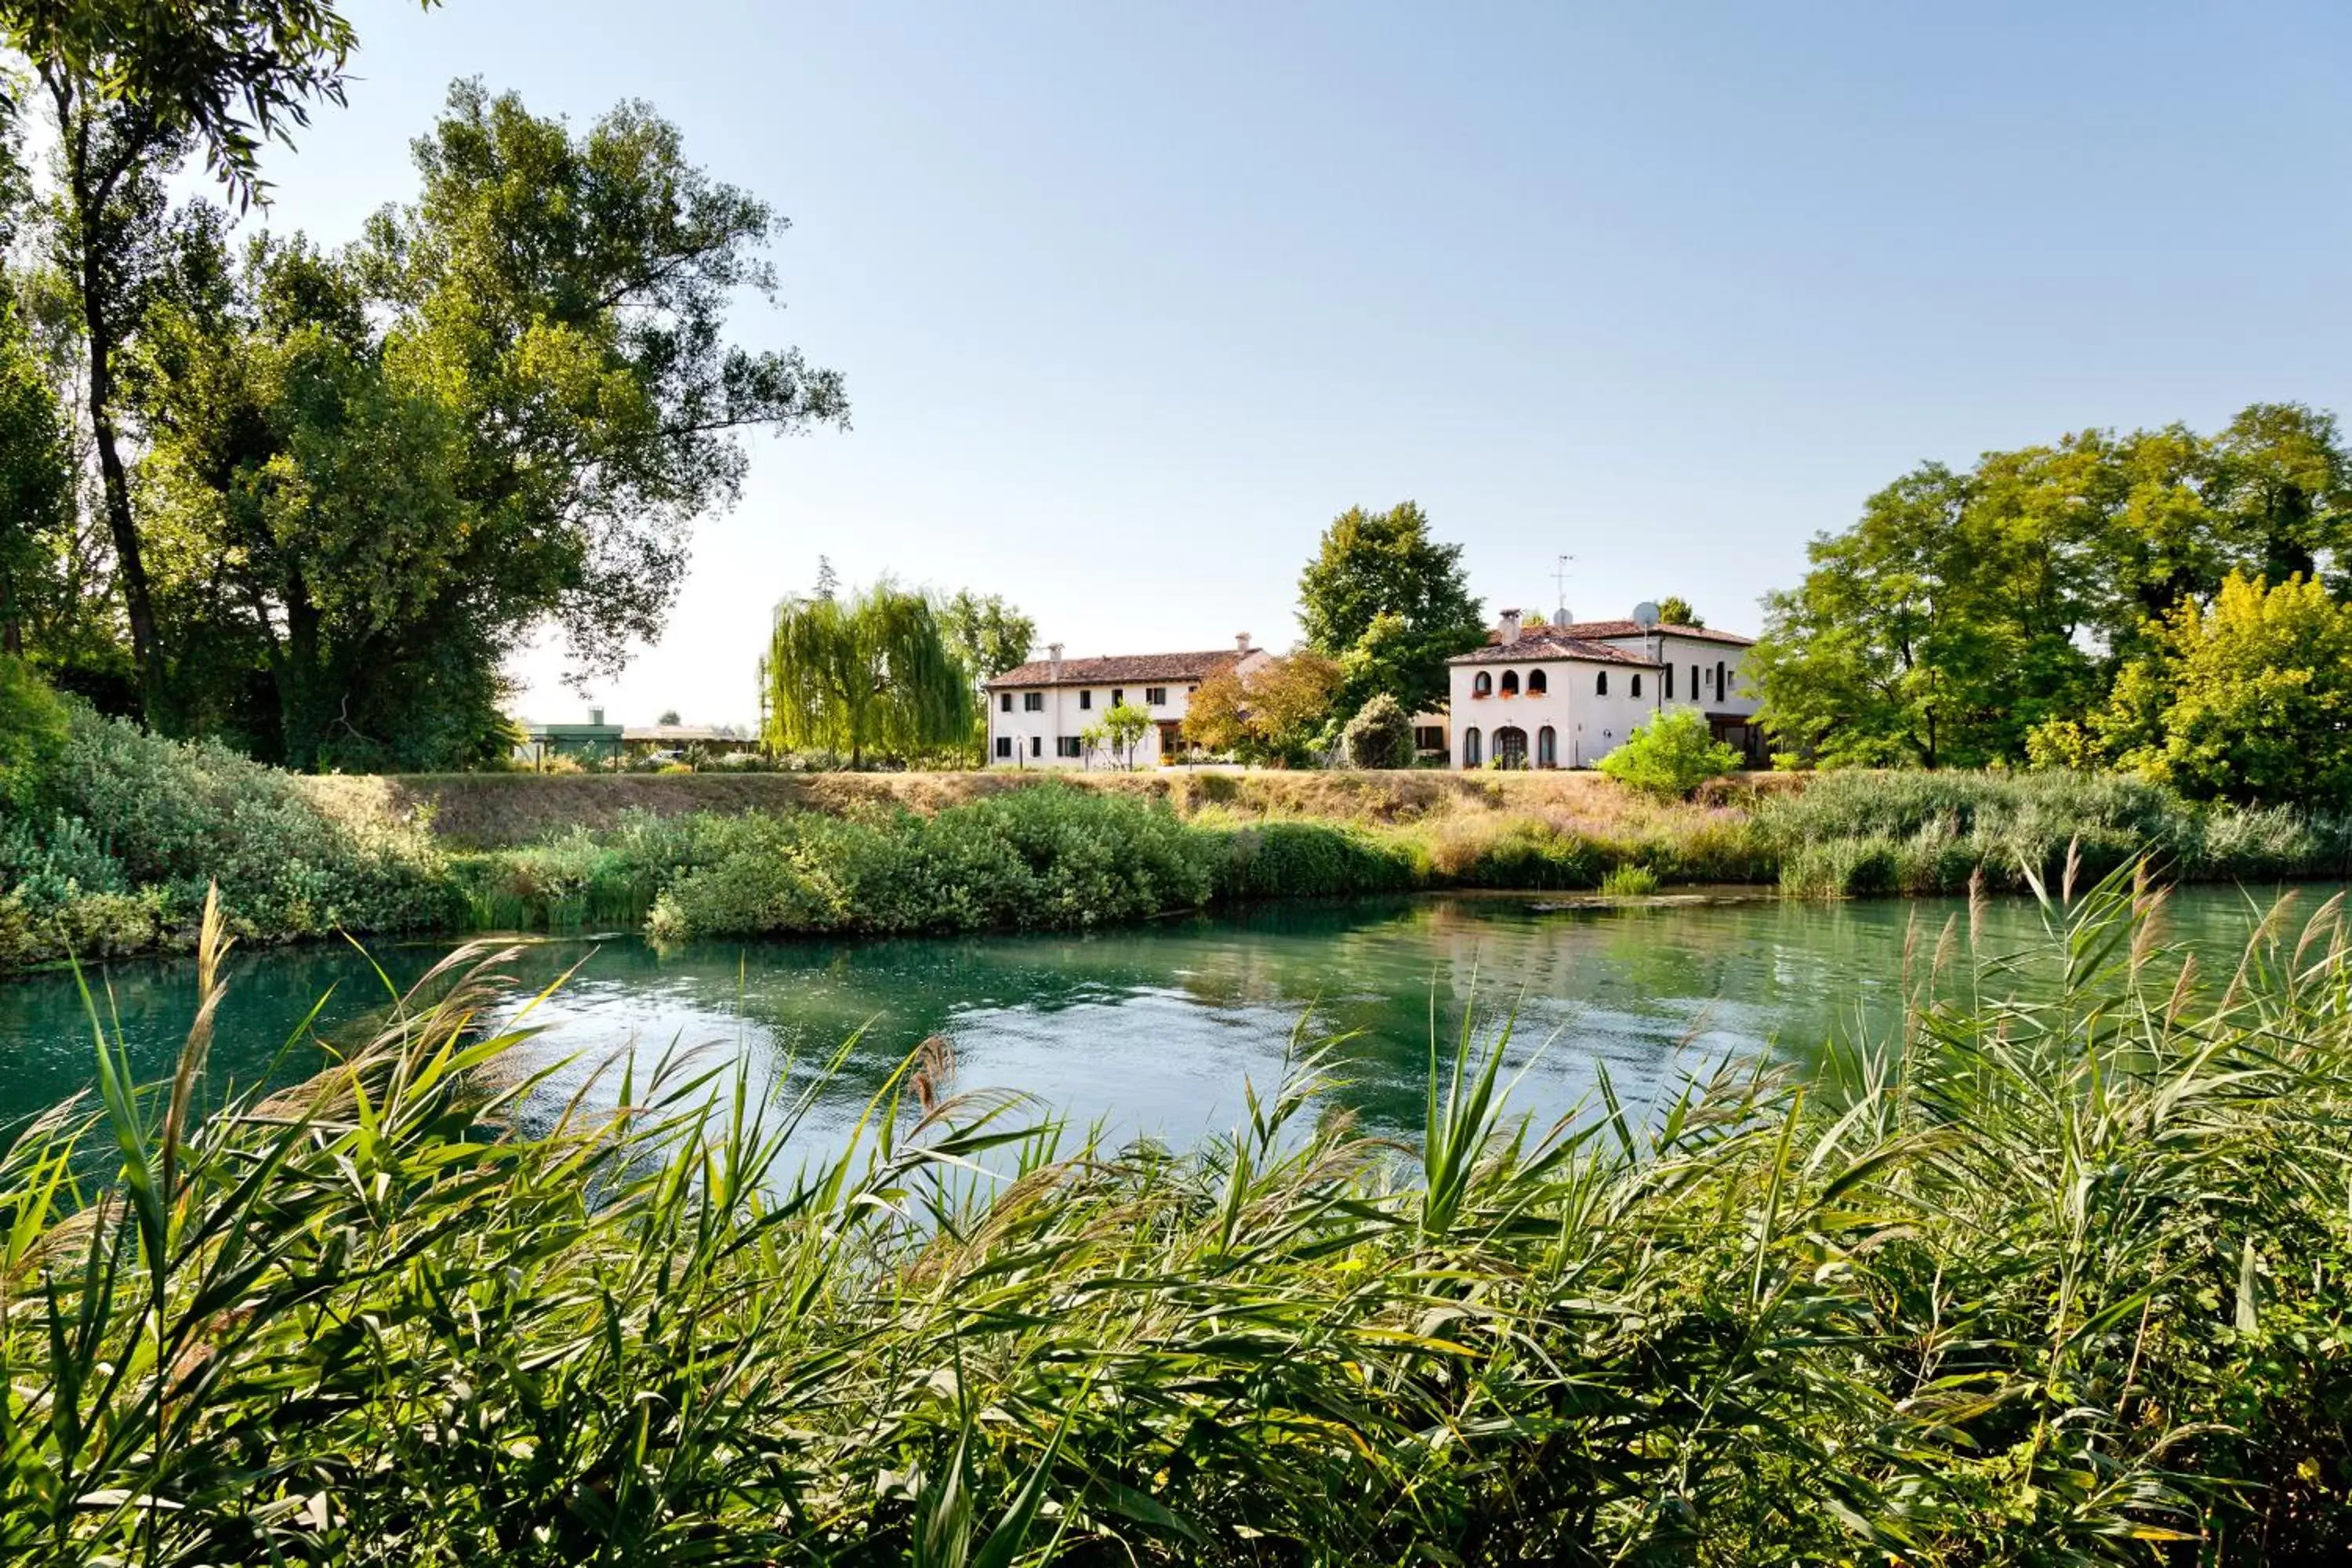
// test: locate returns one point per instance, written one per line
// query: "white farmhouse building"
(1566, 696)
(1037, 712)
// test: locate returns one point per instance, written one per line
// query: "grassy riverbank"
(2057, 1281)
(116, 857)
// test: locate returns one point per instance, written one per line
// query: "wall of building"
(1684, 653)
(1587, 724)
(1033, 735)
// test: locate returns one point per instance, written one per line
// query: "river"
(1151, 1029)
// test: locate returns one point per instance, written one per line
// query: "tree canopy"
(865, 673)
(2247, 700)
(1391, 605)
(1273, 714)
(1967, 610)
(371, 470)
(1676, 611)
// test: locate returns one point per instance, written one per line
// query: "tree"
(2246, 700)
(1379, 735)
(1391, 605)
(1123, 729)
(1676, 611)
(131, 88)
(669, 716)
(1217, 716)
(34, 730)
(1670, 755)
(990, 636)
(1272, 716)
(507, 405)
(36, 490)
(864, 672)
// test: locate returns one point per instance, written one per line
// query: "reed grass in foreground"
(2062, 1280)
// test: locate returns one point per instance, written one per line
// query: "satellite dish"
(1645, 614)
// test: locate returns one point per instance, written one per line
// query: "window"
(1482, 685)
(1085, 698)
(1694, 683)
(1004, 748)
(1669, 683)
(1069, 746)
(1510, 683)
(1637, 684)
(1429, 737)
(1601, 684)
(1036, 746)
(1537, 684)
(1004, 702)
(1546, 748)
(1718, 679)
(1156, 696)
(1032, 702)
(1470, 758)
(1117, 696)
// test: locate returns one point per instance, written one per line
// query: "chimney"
(1054, 657)
(1510, 627)
(1241, 644)
(597, 717)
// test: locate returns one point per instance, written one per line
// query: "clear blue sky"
(1132, 300)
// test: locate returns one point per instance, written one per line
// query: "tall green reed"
(2057, 1271)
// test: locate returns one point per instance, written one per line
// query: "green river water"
(1147, 1030)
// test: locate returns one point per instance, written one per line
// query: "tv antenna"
(1560, 583)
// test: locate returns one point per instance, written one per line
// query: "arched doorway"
(1510, 747)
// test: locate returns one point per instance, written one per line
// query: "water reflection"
(1151, 1029)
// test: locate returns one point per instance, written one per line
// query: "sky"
(1131, 302)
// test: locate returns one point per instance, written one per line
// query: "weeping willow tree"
(865, 672)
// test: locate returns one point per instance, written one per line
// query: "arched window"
(1510, 683)
(1537, 684)
(1601, 684)
(1637, 684)
(1720, 691)
(1483, 684)
(1470, 758)
(1546, 748)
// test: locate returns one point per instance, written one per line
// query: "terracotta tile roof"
(1542, 643)
(1121, 668)
(1629, 629)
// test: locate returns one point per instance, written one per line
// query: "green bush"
(1629, 881)
(34, 726)
(1307, 859)
(1379, 735)
(1050, 855)
(129, 815)
(1670, 755)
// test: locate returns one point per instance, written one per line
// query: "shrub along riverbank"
(113, 852)
(2059, 1280)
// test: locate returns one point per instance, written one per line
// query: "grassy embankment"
(2059, 1281)
(134, 828)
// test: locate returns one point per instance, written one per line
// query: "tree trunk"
(298, 702)
(89, 200)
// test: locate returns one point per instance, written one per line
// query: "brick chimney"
(1510, 627)
(1241, 644)
(1054, 657)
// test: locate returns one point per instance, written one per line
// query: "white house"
(1037, 712)
(1566, 696)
